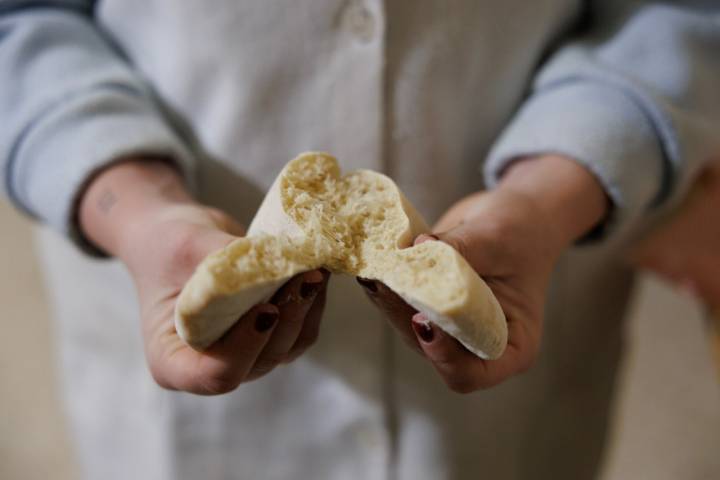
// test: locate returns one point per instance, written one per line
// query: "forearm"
(120, 197)
(569, 198)
(640, 130)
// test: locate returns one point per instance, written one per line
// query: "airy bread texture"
(359, 224)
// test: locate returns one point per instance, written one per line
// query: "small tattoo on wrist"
(106, 201)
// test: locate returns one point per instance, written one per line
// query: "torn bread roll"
(359, 224)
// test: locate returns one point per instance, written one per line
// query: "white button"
(359, 20)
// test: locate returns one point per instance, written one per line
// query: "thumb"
(463, 238)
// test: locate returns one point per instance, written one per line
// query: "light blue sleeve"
(635, 99)
(69, 105)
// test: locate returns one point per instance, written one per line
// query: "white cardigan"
(232, 89)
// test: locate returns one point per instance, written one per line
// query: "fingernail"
(309, 290)
(424, 331)
(425, 237)
(368, 285)
(265, 320)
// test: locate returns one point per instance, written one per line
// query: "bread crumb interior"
(352, 225)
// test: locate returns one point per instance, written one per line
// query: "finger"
(465, 372)
(185, 251)
(227, 362)
(311, 327)
(468, 241)
(461, 238)
(395, 309)
(294, 301)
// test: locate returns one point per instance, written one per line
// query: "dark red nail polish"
(424, 331)
(369, 285)
(265, 320)
(280, 301)
(309, 290)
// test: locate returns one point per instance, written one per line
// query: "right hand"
(511, 236)
(685, 249)
(161, 234)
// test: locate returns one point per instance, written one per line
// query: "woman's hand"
(512, 236)
(685, 249)
(140, 212)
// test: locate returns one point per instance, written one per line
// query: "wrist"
(569, 199)
(125, 196)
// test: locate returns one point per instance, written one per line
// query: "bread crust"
(358, 224)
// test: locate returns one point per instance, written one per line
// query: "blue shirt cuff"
(59, 153)
(600, 127)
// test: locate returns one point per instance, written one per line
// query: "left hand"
(512, 236)
(139, 211)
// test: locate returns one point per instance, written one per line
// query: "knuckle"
(268, 363)
(292, 356)
(183, 248)
(462, 384)
(220, 386)
(220, 383)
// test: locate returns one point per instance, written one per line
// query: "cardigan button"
(360, 21)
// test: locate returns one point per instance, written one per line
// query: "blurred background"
(667, 415)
